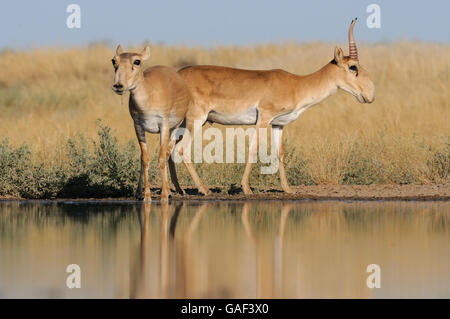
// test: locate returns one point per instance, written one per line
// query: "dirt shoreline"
(433, 192)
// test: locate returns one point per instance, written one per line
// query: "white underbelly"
(248, 117)
(287, 118)
(154, 121)
(151, 124)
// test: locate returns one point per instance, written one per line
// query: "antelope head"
(128, 69)
(352, 77)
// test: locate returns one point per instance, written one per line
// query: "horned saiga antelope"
(273, 98)
(158, 103)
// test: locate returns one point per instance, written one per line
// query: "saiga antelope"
(232, 96)
(158, 103)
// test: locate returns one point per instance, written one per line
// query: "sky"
(31, 24)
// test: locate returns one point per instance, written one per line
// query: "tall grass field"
(64, 133)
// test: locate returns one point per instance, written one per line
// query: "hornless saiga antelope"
(158, 103)
(232, 96)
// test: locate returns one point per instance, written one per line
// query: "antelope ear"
(338, 55)
(145, 53)
(119, 50)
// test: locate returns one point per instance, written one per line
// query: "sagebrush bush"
(439, 165)
(15, 168)
(103, 170)
(19, 177)
(361, 169)
(297, 170)
(107, 171)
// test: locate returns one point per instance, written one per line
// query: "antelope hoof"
(165, 196)
(139, 194)
(289, 190)
(205, 191)
(180, 191)
(147, 197)
(247, 190)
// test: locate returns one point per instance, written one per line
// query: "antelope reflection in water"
(140, 282)
(290, 250)
(264, 286)
(178, 277)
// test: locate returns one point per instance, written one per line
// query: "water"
(225, 249)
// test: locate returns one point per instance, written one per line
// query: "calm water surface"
(225, 249)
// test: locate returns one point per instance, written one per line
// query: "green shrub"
(106, 172)
(44, 182)
(15, 169)
(439, 165)
(296, 167)
(361, 170)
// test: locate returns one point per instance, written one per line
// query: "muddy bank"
(331, 192)
(439, 192)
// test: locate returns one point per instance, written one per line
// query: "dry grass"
(49, 95)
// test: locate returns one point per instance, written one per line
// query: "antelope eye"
(137, 62)
(354, 68)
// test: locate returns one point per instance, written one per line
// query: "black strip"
(224, 308)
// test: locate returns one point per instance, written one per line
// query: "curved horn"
(353, 52)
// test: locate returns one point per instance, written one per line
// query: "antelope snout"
(371, 99)
(364, 99)
(118, 88)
